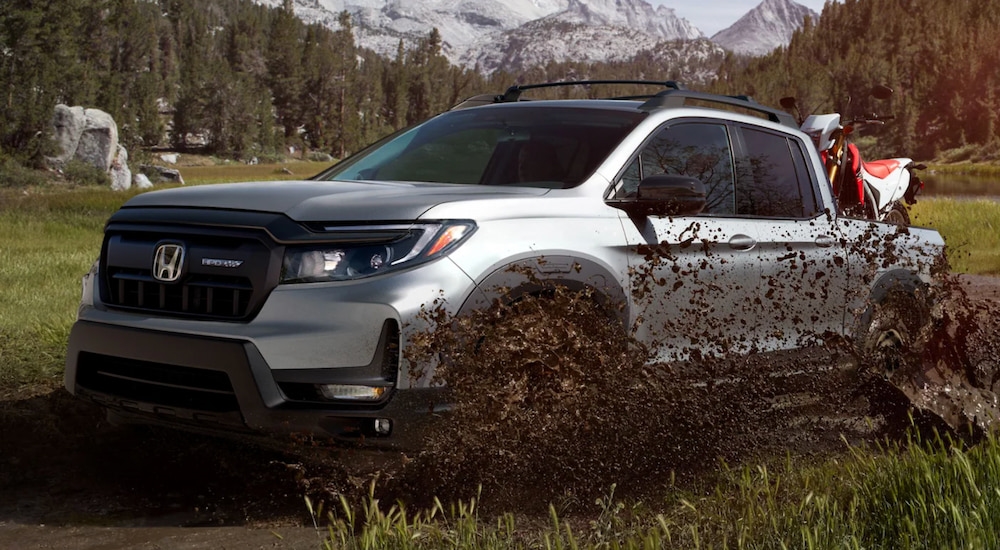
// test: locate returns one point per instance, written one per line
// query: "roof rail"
(514, 92)
(678, 98)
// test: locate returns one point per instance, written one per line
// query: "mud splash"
(953, 369)
(555, 401)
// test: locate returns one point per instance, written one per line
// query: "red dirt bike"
(873, 189)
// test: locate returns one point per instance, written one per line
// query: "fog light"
(383, 426)
(351, 393)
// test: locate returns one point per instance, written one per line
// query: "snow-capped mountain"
(764, 28)
(484, 32)
(639, 15)
(518, 34)
(550, 39)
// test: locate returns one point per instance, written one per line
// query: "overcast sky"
(711, 16)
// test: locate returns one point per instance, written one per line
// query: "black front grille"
(216, 296)
(224, 274)
(157, 383)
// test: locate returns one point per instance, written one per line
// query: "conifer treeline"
(252, 79)
(941, 57)
(248, 78)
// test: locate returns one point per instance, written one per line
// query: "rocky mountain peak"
(764, 28)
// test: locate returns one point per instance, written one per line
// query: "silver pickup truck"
(286, 307)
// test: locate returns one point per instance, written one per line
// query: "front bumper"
(219, 385)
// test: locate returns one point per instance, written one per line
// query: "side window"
(773, 181)
(810, 203)
(630, 181)
(699, 150)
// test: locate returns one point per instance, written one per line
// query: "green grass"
(967, 168)
(226, 173)
(922, 494)
(50, 239)
(971, 229)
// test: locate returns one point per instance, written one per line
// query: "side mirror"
(666, 195)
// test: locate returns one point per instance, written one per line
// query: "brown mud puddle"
(564, 434)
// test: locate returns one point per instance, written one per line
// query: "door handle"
(825, 241)
(742, 242)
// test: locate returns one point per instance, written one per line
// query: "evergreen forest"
(238, 79)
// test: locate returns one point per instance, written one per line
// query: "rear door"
(695, 279)
(804, 273)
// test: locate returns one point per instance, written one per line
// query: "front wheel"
(897, 214)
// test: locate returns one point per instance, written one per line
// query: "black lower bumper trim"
(218, 385)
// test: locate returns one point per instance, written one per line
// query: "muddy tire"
(889, 342)
(897, 214)
(893, 326)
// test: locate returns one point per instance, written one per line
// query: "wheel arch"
(898, 280)
(534, 275)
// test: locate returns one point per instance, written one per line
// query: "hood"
(307, 201)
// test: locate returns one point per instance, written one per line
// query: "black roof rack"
(675, 95)
(514, 92)
(678, 98)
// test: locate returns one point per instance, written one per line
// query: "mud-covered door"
(694, 279)
(805, 279)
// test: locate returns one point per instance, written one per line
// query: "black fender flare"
(531, 276)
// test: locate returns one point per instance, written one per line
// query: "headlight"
(390, 248)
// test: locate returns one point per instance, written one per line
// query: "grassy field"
(246, 172)
(928, 494)
(923, 494)
(971, 230)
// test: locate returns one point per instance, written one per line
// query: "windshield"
(543, 146)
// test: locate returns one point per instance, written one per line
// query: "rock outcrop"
(90, 136)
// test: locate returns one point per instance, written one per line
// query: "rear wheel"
(893, 326)
(888, 344)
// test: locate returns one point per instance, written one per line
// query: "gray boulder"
(91, 136)
(99, 140)
(159, 174)
(67, 126)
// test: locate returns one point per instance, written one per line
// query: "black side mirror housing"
(666, 195)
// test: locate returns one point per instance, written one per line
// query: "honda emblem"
(168, 261)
